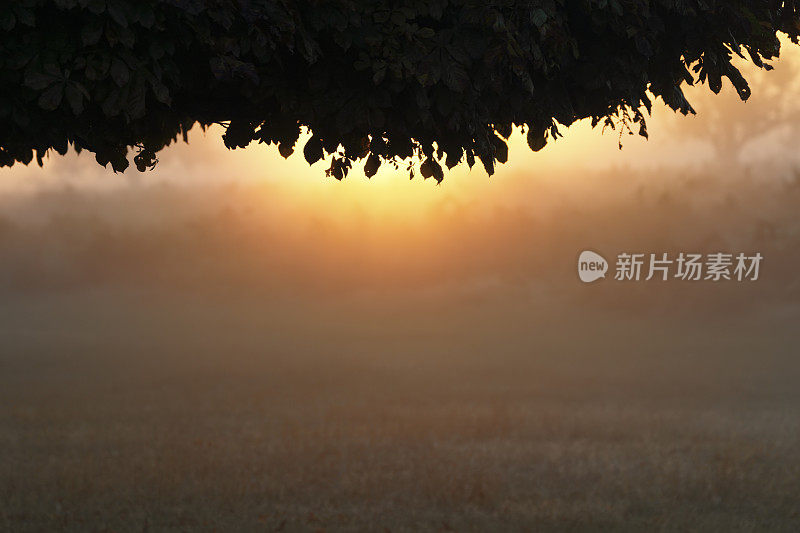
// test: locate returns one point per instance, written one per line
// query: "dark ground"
(126, 411)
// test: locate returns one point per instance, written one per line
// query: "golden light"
(390, 195)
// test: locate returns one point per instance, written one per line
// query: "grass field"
(131, 411)
(204, 358)
(229, 343)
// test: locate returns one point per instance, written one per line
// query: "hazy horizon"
(234, 341)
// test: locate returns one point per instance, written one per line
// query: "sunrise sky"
(568, 165)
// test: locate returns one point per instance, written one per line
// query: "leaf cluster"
(388, 81)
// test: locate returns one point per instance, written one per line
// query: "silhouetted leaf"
(75, 98)
(120, 72)
(92, 32)
(372, 165)
(313, 150)
(536, 140)
(51, 98)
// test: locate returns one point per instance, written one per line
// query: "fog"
(234, 341)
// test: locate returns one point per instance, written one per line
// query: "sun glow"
(390, 196)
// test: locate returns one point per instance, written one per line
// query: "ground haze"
(212, 372)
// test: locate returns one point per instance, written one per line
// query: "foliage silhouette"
(443, 80)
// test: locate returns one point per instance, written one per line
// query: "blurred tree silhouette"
(729, 126)
(442, 80)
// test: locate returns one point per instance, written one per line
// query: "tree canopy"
(437, 82)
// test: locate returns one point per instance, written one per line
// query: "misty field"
(221, 358)
(127, 411)
(238, 343)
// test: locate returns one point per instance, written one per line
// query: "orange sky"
(527, 178)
